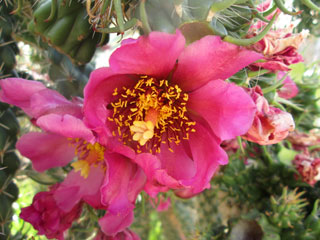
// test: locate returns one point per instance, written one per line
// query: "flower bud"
(308, 167)
(270, 124)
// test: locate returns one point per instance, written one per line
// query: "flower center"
(150, 114)
(88, 154)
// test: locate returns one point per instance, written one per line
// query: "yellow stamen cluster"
(143, 131)
(151, 113)
(88, 154)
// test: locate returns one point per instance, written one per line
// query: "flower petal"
(98, 93)
(17, 91)
(209, 59)
(45, 150)
(289, 88)
(207, 156)
(153, 55)
(158, 178)
(227, 108)
(76, 188)
(122, 184)
(50, 101)
(65, 125)
(111, 223)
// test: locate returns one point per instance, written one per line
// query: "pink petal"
(209, 59)
(76, 188)
(122, 184)
(111, 223)
(153, 55)
(289, 88)
(17, 91)
(45, 150)
(50, 101)
(98, 93)
(65, 125)
(207, 155)
(158, 178)
(227, 108)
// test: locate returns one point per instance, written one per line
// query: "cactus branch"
(18, 10)
(131, 23)
(257, 13)
(281, 6)
(118, 9)
(311, 5)
(54, 4)
(144, 18)
(269, 11)
(249, 41)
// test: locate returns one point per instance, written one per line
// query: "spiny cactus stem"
(269, 11)
(249, 41)
(281, 6)
(311, 5)
(118, 10)
(19, 8)
(144, 18)
(88, 7)
(275, 86)
(131, 23)
(104, 7)
(257, 13)
(54, 5)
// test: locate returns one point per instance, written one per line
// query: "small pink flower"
(46, 217)
(270, 124)
(161, 97)
(289, 88)
(124, 235)
(308, 167)
(279, 48)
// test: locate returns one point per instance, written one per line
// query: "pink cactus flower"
(169, 103)
(289, 88)
(270, 124)
(46, 217)
(279, 48)
(65, 137)
(124, 235)
(308, 167)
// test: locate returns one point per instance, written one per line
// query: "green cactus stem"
(257, 13)
(19, 8)
(131, 23)
(54, 5)
(281, 6)
(311, 5)
(269, 11)
(249, 41)
(144, 18)
(118, 10)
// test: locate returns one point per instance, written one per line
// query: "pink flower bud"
(270, 124)
(46, 217)
(308, 167)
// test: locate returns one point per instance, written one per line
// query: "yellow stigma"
(88, 154)
(149, 114)
(142, 131)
